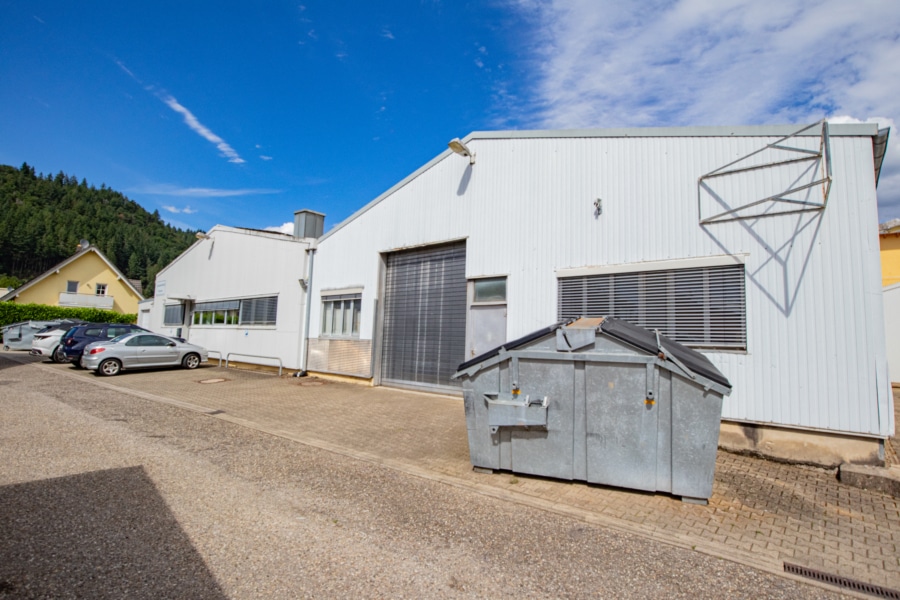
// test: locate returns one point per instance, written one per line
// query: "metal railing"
(230, 354)
(209, 352)
(86, 300)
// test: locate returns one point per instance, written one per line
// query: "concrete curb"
(879, 479)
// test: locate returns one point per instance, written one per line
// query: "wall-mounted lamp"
(201, 236)
(461, 149)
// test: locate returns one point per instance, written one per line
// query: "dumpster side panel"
(664, 432)
(621, 426)
(695, 437)
(546, 451)
(484, 448)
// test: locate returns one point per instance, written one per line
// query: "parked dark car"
(75, 339)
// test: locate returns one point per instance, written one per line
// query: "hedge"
(11, 312)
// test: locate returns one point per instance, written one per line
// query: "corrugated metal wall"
(815, 350)
(233, 264)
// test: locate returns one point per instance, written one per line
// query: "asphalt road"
(107, 495)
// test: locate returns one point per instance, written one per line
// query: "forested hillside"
(42, 219)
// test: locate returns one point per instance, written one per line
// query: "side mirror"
(171, 344)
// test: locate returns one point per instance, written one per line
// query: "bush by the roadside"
(10, 312)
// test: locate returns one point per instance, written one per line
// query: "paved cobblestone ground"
(761, 512)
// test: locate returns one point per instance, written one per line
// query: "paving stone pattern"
(761, 512)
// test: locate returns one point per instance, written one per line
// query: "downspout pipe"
(311, 251)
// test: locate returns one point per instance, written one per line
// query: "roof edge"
(834, 129)
(272, 235)
(67, 262)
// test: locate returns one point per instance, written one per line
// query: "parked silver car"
(140, 350)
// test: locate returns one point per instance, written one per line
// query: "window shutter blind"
(702, 307)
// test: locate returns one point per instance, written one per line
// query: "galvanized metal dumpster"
(597, 400)
(18, 336)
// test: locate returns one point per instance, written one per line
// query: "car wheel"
(58, 355)
(191, 361)
(109, 367)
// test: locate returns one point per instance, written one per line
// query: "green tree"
(43, 217)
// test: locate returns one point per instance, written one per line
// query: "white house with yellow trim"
(86, 279)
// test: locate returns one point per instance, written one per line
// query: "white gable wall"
(233, 264)
(815, 356)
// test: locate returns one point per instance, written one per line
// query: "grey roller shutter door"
(424, 316)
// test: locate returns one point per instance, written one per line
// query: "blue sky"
(240, 113)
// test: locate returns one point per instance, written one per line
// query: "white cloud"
(186, 210)
(203, 131)
(189, 118)
(197, 192)
(386, 33)
(265, 157)
(287, 228)
(716, 62)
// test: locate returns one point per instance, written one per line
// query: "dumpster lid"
(639, 337)
(534, 335)
(645, 339)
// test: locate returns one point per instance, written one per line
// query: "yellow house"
(889, 238)
(86, 279)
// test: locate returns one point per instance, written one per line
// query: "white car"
(46, 342)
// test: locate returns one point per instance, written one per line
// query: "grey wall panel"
(348, 357)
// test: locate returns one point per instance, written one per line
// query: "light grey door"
(487, 325)
(424, 316)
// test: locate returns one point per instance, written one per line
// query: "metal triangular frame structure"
(823, 155)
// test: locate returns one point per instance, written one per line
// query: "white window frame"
(168, 313)
(100, 289)
(475, 281)
(261, 311)
(254, 313)
(341, 313)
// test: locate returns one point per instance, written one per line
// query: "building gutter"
(304, 348)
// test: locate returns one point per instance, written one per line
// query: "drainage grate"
(842, 582)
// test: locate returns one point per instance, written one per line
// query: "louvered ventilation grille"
(700, 307)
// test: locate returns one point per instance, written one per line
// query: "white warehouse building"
(239, 293)
(756, 245)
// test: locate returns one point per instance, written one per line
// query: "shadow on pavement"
(105, 534)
